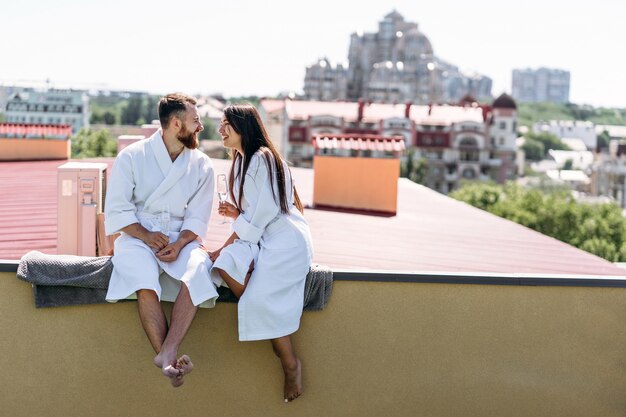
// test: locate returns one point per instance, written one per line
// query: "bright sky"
(251, 47)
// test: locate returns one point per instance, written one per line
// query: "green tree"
(530, 113)
(548, 140)
(132, 111)
(599, 228)
(96, 117)
(92, 144)
(254, 100)
(569, 164)
(533, 150)
(108, 117)
(210, 130)
(149, 111)
(603, 140)
(412, 169)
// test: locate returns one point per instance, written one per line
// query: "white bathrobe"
(280, 244)
(144, 183)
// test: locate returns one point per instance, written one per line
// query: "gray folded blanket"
(61, 280)
(317, 288)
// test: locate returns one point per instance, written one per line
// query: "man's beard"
(188, 138)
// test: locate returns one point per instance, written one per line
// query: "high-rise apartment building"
(540, 85)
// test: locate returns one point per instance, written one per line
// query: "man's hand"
(170, 252)
(155, 240)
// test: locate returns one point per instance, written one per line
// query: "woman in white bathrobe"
(270, 237)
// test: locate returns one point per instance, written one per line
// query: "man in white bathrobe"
(159, 197)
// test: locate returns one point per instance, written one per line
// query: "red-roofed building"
(458, 142)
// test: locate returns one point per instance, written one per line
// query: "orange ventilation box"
(19, 142)
(358, 172)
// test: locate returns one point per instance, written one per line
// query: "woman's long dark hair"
(245, 120)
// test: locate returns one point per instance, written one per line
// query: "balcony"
(493, 162)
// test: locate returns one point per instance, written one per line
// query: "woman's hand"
(227, 209)
(213, 255)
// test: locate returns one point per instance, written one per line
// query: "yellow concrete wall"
(379, 349)
(34, 149)
(356, 183)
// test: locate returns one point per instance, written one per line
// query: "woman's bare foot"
(293, 381)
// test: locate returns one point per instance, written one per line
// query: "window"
(469, 173)
(502, 125)
(471, 156)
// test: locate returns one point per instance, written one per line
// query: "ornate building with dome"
(395, 64)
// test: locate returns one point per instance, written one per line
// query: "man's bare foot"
(169, 368)
(175, 375)
(184, 364)
(293, 381)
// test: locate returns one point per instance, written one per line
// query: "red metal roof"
(431, 232)
(374, 112)
(360, 142)
(18, 130)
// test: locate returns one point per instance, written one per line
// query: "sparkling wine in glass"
(222, 192)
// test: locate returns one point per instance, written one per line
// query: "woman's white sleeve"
(257, 190)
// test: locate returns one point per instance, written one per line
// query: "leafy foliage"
(533, 149)
(131, 113)
(603, 140)
(92, 144)
(412, 169)
(596, 228)
(548, 140)
(135, 109)
(210, 130)
(254, 100)
(530, 113)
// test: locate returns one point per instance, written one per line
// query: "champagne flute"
(222, 192)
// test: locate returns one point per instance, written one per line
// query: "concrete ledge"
(379, 348)
(453, 278)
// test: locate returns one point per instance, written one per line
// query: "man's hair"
(173, 105)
